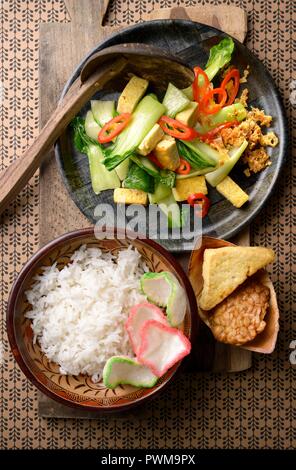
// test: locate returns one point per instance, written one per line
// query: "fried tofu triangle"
(224, 269)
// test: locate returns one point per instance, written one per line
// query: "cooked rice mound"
(78, 313)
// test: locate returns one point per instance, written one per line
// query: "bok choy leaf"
(167, 177)
(220, 55)
(234, 112)
(81, 139)
(137, 178)
(174, 101)
(215, 177)
(200, 155)
(146, 114)
(101, 178)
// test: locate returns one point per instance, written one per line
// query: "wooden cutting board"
(62, 46)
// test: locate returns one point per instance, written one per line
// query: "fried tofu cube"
(231, 191)
(185, 187)
(189, 115)
(167, 153)
(131, 95)
(151, 140)
(130, 196)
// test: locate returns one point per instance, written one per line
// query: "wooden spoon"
(110, 63)
(265, 342)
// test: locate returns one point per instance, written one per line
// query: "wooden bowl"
(80, 391)
(264, 342)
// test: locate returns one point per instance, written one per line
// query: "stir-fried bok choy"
(101, 178)
(165, 149)
(143, 119)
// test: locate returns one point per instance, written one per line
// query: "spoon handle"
(15, 177)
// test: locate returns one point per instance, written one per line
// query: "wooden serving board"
(62, 46)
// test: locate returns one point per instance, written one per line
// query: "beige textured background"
(253, 409)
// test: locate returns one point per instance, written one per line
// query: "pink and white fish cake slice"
(162, 346)
(139, 314)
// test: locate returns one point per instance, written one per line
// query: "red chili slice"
(200, 85)
(205, 105)
(154, 160)
(177, 129)
(184, 167)
(112, 128)
(202, 201)
(210, 135)
(233, 74)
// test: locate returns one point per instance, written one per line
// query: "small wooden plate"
(263, 343)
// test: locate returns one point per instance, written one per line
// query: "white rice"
(78, 313)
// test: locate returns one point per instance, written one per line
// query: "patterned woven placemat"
(252, 409)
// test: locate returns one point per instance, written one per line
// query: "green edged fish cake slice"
(164, 290)
(120, 370)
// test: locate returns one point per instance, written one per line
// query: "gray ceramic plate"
(191, 42)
